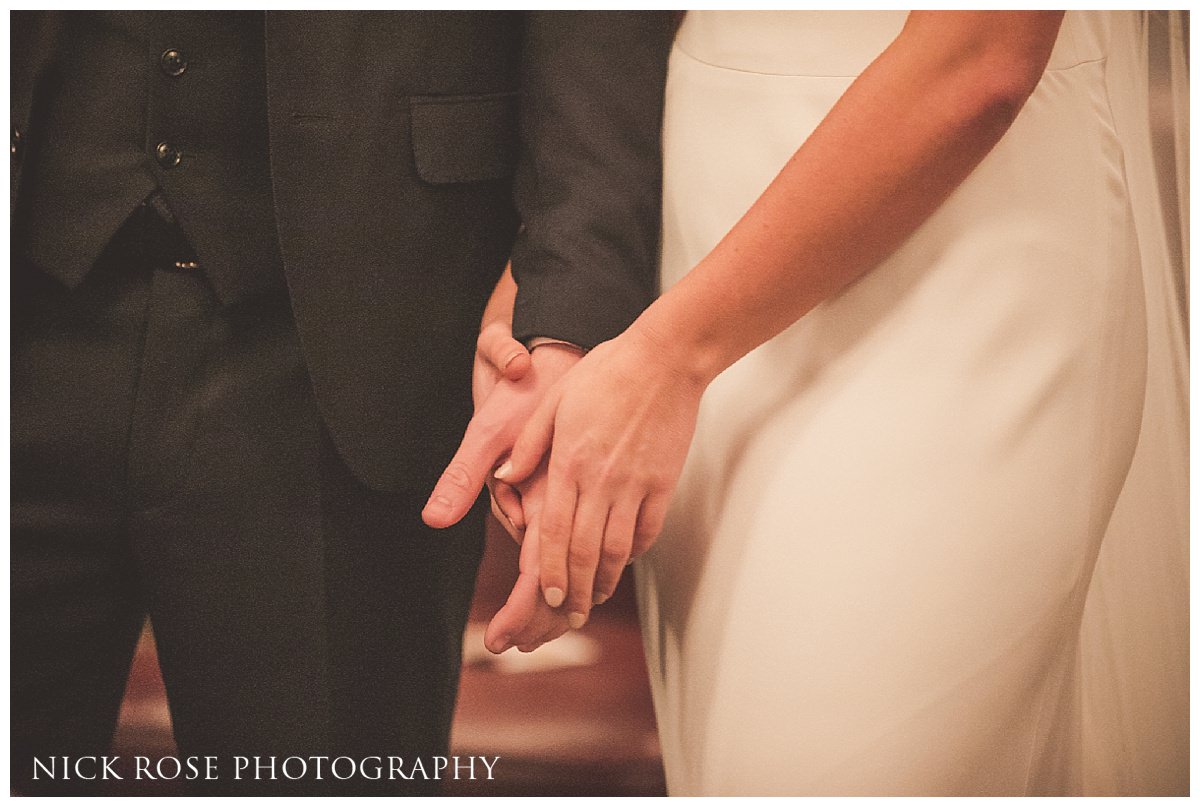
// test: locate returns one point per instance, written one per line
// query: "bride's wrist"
(676, 347)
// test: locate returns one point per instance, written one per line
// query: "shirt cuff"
(538, 341)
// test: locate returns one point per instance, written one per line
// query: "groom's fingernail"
(503, 471)
(576, 620)
(599, 598)
(555, 597)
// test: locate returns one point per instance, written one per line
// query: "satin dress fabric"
(876, 565)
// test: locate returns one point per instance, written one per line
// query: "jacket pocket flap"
(464, 138)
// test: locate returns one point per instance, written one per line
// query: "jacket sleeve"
(588, 183)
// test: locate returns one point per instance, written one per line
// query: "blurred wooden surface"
(575, 720)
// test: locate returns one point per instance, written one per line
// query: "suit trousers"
(169, 460)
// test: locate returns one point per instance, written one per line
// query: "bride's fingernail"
(599, 598)
(554, 597)
(504, 470)
(576, 620)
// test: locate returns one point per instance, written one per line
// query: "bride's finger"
(618, 543)
(506, 355)
(554, 535)
(650, 522)
(583, 554)
(533, 443)
(530, 557)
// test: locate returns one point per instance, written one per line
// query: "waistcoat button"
(168, 156)
(172, 62)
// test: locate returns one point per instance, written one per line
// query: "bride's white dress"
(876, 569)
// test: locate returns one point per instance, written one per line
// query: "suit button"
(168, 156)
(16, 140)
(172, 62)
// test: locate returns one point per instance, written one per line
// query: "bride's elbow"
(988, 63)
(990, 93)
(1004, 83)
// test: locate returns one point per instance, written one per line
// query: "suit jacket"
(411, 154)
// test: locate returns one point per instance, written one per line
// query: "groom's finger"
(517, 622)
(556, 630)
(512, 619)
(460, 483)
(507, 500)
(504, 521)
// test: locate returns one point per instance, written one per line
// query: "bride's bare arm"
(899, 141)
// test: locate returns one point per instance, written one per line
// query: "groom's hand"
(526, 622)
(494, 428)
(499, 356)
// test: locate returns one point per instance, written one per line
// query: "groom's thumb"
(463, 479)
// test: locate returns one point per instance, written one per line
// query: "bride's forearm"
(898, 142)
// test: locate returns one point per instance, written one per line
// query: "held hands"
(505, 397)
(526, 621)
(617, 429)
(507, 385)
(620, 421)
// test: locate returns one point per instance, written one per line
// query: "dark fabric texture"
(242, 450)
(394, 139)
(589, 182)
(109, 103)
(177, 466)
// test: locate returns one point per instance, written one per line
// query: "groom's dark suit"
(250, 253)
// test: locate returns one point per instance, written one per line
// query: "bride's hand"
(620, 422)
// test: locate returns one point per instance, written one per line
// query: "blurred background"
(573, 718)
